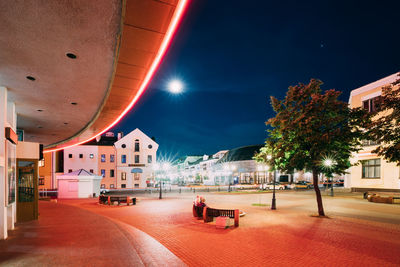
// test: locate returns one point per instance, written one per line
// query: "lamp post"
(273, 205)
(161, 169)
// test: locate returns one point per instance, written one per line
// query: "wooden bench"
(381, 197)
(210, 213)
(120, 199)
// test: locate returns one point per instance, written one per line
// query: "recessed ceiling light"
(30, 78)
(70, 55)
(74, 103)
(40, 110)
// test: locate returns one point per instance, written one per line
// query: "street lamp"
(162, 170)
(328, 163)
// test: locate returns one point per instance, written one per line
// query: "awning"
(136, 170)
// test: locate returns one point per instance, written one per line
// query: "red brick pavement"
(285, 237)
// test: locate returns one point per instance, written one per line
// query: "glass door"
(27, 197)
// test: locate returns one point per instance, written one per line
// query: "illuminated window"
(123, 175)
(137, 145)
(103, 172)
(372, 104)
(102, 186)
(111, 173)
(103, 157)
(112, 158)
(41, 163)
(91, 156)
(371, 169)
(123, 158)
(136, 176)
(149, 159)
(136, 158)
(111, 185)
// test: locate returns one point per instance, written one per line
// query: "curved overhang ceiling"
(118, 47)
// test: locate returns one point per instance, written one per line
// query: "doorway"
(27, 190)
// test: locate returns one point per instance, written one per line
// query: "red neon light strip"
(180, 8)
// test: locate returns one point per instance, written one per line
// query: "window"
(70, 156)
(91, 171)
(123, 145)
(369, 143)
(81, 156)
(69, 170)
(136, 176)
(150, 146)
(137, 145)
(112, 158)
(91, 156)
(149, 158)
(111, 185)
(41, 180)
(136, 185)
(372, 104)
(103, 172)
(103, 157)
(136, 158)
(111, 173)
(123, 185)
(41, 163)
(123, 158)
(371, 168)
(123, 175)
(102, 186)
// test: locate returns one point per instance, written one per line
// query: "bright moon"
(175, 87)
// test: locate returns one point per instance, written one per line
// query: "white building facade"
(135, 155)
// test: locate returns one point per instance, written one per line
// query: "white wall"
(76, 163)
(7, 119)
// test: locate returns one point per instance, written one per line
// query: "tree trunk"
(318, 193)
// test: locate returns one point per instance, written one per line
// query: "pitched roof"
(80, 172)
(104, 141)
(240, 153)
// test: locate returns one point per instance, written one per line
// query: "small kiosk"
(78, 184)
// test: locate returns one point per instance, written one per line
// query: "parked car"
(270, 186)
(302, 185)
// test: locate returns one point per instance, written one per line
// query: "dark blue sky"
(232, 55)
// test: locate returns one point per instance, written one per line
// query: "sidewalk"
(66, 235)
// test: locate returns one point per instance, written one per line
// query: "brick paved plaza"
(357, 232)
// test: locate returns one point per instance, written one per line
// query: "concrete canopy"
(117, 44)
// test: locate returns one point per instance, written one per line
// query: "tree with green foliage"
(310, 127)
(386, 128)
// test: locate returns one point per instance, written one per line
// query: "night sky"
(233, 55)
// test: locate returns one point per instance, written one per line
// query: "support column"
(3, 172)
